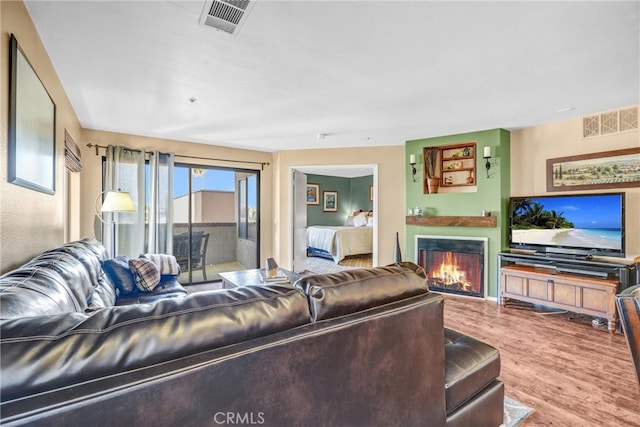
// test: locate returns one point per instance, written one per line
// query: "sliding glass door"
(215, 221)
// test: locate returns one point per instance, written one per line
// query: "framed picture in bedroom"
(32, 125)
(330, 201)
(313, 191)
(371, 193)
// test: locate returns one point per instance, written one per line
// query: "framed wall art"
(330, 201)
(371, 193)
(607, 169)
(32, 122)
(313, 191)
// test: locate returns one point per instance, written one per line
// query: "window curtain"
(125, 171)
(150, 228)
(160, 240)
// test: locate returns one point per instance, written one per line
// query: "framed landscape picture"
(312, 194)
(607, 169)
(330, 201)
(32, 118)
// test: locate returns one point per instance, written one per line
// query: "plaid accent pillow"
(145, 274)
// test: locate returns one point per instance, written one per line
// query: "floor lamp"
(114, 201)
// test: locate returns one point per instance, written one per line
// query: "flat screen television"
(580, 225)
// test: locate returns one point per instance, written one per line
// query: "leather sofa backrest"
(71, 348)
(91, 253)
(34, 291)
(381, 366)
(77, 281)
(66, 279)
(351, 291)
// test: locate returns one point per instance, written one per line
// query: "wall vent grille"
(225, 15)
(610, 122)
(629, 119)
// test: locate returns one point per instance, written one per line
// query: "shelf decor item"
(432, 180)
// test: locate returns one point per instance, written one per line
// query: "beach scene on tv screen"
(584, 222)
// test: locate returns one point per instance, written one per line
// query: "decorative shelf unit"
(453, 221)
(458, 165)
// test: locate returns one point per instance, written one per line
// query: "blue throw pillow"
(118, 270)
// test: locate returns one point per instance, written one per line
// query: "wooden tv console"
(577, 285)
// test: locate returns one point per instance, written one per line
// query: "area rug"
(514, 412)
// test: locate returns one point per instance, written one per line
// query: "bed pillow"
(145, 274)
(349, 221)
(360, 220)
(369, 221)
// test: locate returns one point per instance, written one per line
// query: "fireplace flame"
(449, 273)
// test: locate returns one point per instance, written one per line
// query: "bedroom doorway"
(315, 189)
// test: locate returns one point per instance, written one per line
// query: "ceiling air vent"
(225, 15)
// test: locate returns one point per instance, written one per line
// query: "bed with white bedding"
(338, 242)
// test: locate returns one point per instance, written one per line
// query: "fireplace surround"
(454, 264)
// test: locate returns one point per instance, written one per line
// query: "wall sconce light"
(487, 155)
(412, 162)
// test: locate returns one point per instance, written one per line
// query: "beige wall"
(30, 221)
(390, 193)
(530, 148)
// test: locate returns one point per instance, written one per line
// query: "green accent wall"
(360, 193)
(353, 195)
(492, 194)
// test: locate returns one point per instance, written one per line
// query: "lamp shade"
(118, 201)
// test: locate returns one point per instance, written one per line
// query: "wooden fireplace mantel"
(453, 221)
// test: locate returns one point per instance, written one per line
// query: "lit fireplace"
(453, 264)
(449, 274)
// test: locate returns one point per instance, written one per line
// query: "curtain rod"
(262, 164)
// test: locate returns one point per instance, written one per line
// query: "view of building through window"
(216, 209)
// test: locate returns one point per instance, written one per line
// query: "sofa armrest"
(628, 303)
(351, 291)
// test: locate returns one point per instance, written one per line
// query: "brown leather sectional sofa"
(361, 347)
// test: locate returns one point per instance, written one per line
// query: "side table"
(233, 279)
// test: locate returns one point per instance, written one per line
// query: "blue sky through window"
(213, 179)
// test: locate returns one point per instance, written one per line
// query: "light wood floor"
(571, 373)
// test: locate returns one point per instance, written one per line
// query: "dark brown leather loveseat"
(361, 347)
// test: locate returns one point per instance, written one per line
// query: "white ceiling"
(365, 73)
